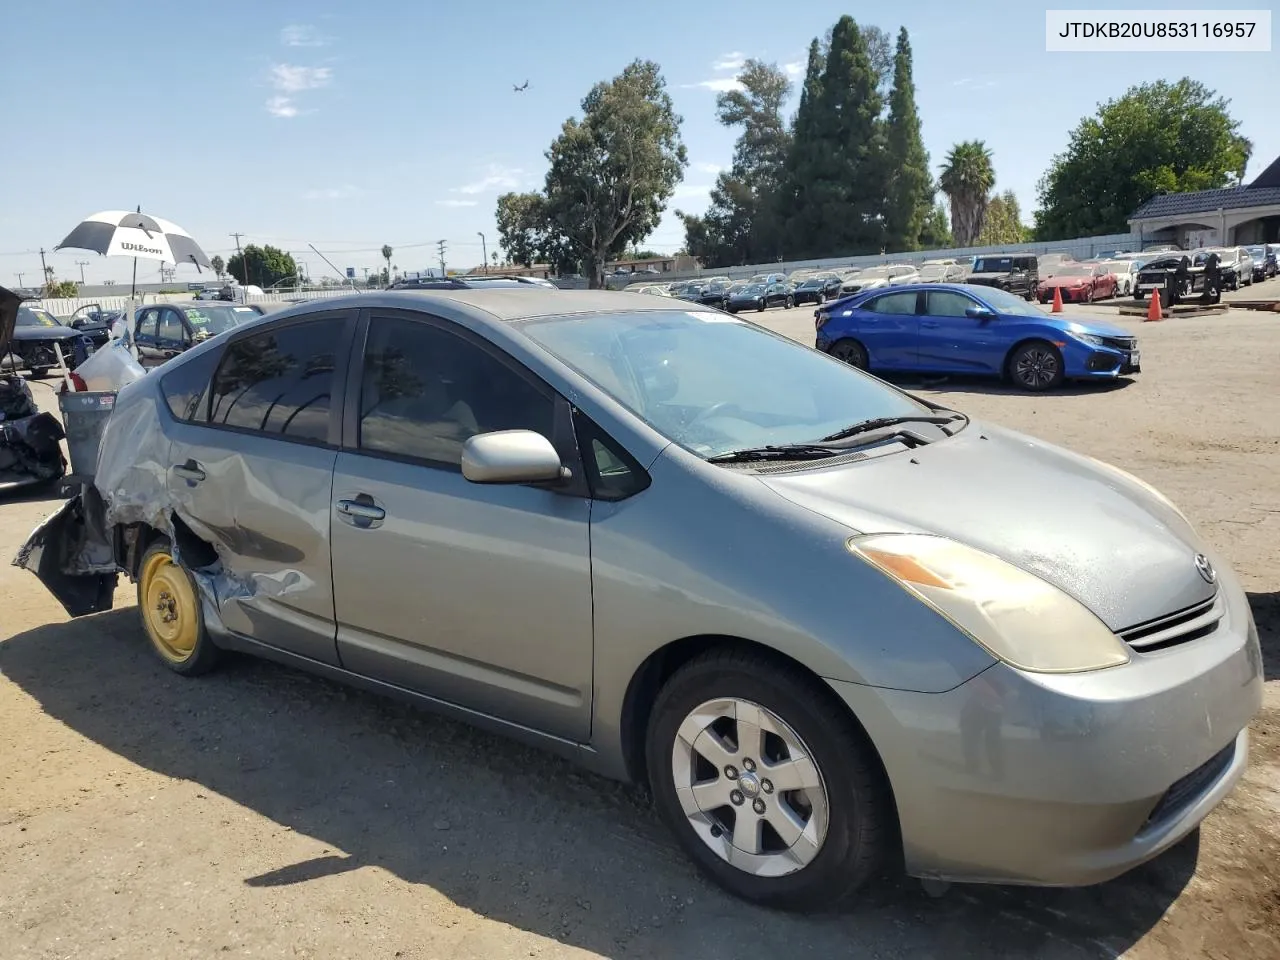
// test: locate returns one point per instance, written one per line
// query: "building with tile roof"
(1227, 217)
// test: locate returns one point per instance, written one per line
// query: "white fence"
(66, 307)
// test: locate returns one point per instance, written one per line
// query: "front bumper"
(1068, 780)
(1103, 364)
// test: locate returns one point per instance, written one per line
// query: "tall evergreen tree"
(911, 188)
(836, 178)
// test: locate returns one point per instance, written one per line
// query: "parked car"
(940, 273)
(1125, 272)
(470, 282)
(759, 296)
(1079, 283)
(817, 288)
(163, 331)
(1175, 277)
(962, 329)
(476, 503)
(38, 337)
(94, 322)
(874, 277)
(30, 441)
(714, 294)
(1015, 273)
(1234, 262)
(1264, 261)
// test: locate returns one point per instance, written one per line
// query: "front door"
(476, 595)
(172, 336)
(145, 333)
(951, 342)
(251, 472)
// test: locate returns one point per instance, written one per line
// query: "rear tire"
(725, 724)
(1036, 366)
(851, 352)
(172, 616)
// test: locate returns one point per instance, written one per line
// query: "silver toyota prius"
(829, 624)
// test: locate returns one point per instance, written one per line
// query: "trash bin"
(84, 415)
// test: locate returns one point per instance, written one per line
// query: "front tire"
(851, 352)
(169, 605)
(769, 785)
(1036, 366)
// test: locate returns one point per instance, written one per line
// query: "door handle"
(928, 323)
(361, 511)
(190, 472)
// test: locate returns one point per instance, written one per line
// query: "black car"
(758, 296)
(94, 322)
(714, 294)
(37, 338)
(30, 441)
(1016, 273)
(817, 289)
(165, 330)
(1264, 261)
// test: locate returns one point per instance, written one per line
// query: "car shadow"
(987, 385)
(507, 831)
(1266, 614)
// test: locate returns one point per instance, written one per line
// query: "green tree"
(612, 172)
(261, 266)
(836, 177)
(911, 188)
(527, 234)
(61, 289)
(386, 255)
(742, 221)
(219, 266)
(935, 233)
(1158, 137)
(967, 178)
(1003, 223)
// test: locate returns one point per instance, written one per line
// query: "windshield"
(753, 290)
(993, 265)
(209, 321)
(876, 272)
(36, 317)
(1255, 251)
(668, 368)
(1002, 301)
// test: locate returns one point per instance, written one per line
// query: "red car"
(1079, 283)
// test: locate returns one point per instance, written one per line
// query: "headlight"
(1014, 615)
(1090, 338)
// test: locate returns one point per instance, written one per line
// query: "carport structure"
(1227, 217)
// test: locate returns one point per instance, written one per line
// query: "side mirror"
(511, 456)
(979, 313)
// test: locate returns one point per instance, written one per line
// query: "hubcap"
(750, 788)
(1036, 368)
(169, 608)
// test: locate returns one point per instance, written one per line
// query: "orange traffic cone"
(1153, 311)
(1057, 300)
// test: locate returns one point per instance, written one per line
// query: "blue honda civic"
(963, 329)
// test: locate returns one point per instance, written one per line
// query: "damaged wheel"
(170, 608)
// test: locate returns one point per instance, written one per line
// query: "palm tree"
(967, 178)
(386, 255)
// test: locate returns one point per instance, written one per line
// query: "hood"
(8, 316)
(47, 333)
(1107, 541)
(1064, 281)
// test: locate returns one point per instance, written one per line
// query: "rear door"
(889, 328)
(172, 336)
(478, 595)
(951, 342)
(251, 472)
(145, 333)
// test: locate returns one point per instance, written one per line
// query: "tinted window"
(170, 326)
(612, 473)
(147, 320)
(280, 381)
(186, 385)
(35, 317)
(425, 391)
(946, 303)
(993, 265)
(895, 303)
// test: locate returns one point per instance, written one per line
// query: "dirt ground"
(262, 813)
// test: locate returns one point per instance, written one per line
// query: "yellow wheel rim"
(169, 609)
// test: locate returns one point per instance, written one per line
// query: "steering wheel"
(711, 411)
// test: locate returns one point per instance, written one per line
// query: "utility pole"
(82, 264)
(440, 245)
(44, 270)
(20, 283)
(484, 252)
(243, 263)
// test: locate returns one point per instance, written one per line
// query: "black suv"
(1017, 273)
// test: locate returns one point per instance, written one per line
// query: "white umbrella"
(119, 233)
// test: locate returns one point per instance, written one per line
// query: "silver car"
(828, 623)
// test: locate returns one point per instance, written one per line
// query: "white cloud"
(288, 78)
(281, 107)
(456, 203)
(794, 69)
(346, 192)
(730, 61)
(496, 178)
(716, 85)
(302, 35)
(711, 168)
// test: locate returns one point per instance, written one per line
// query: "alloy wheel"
(749, 787)
(1036, 367)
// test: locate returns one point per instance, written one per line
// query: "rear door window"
(186, 387)
(894, 303)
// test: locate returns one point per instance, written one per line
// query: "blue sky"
(349, 126)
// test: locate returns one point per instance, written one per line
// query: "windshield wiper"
(781, 451)
(866, 426)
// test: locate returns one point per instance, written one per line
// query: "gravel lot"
(262, 813)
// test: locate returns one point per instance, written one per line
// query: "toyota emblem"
(1205, 569)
